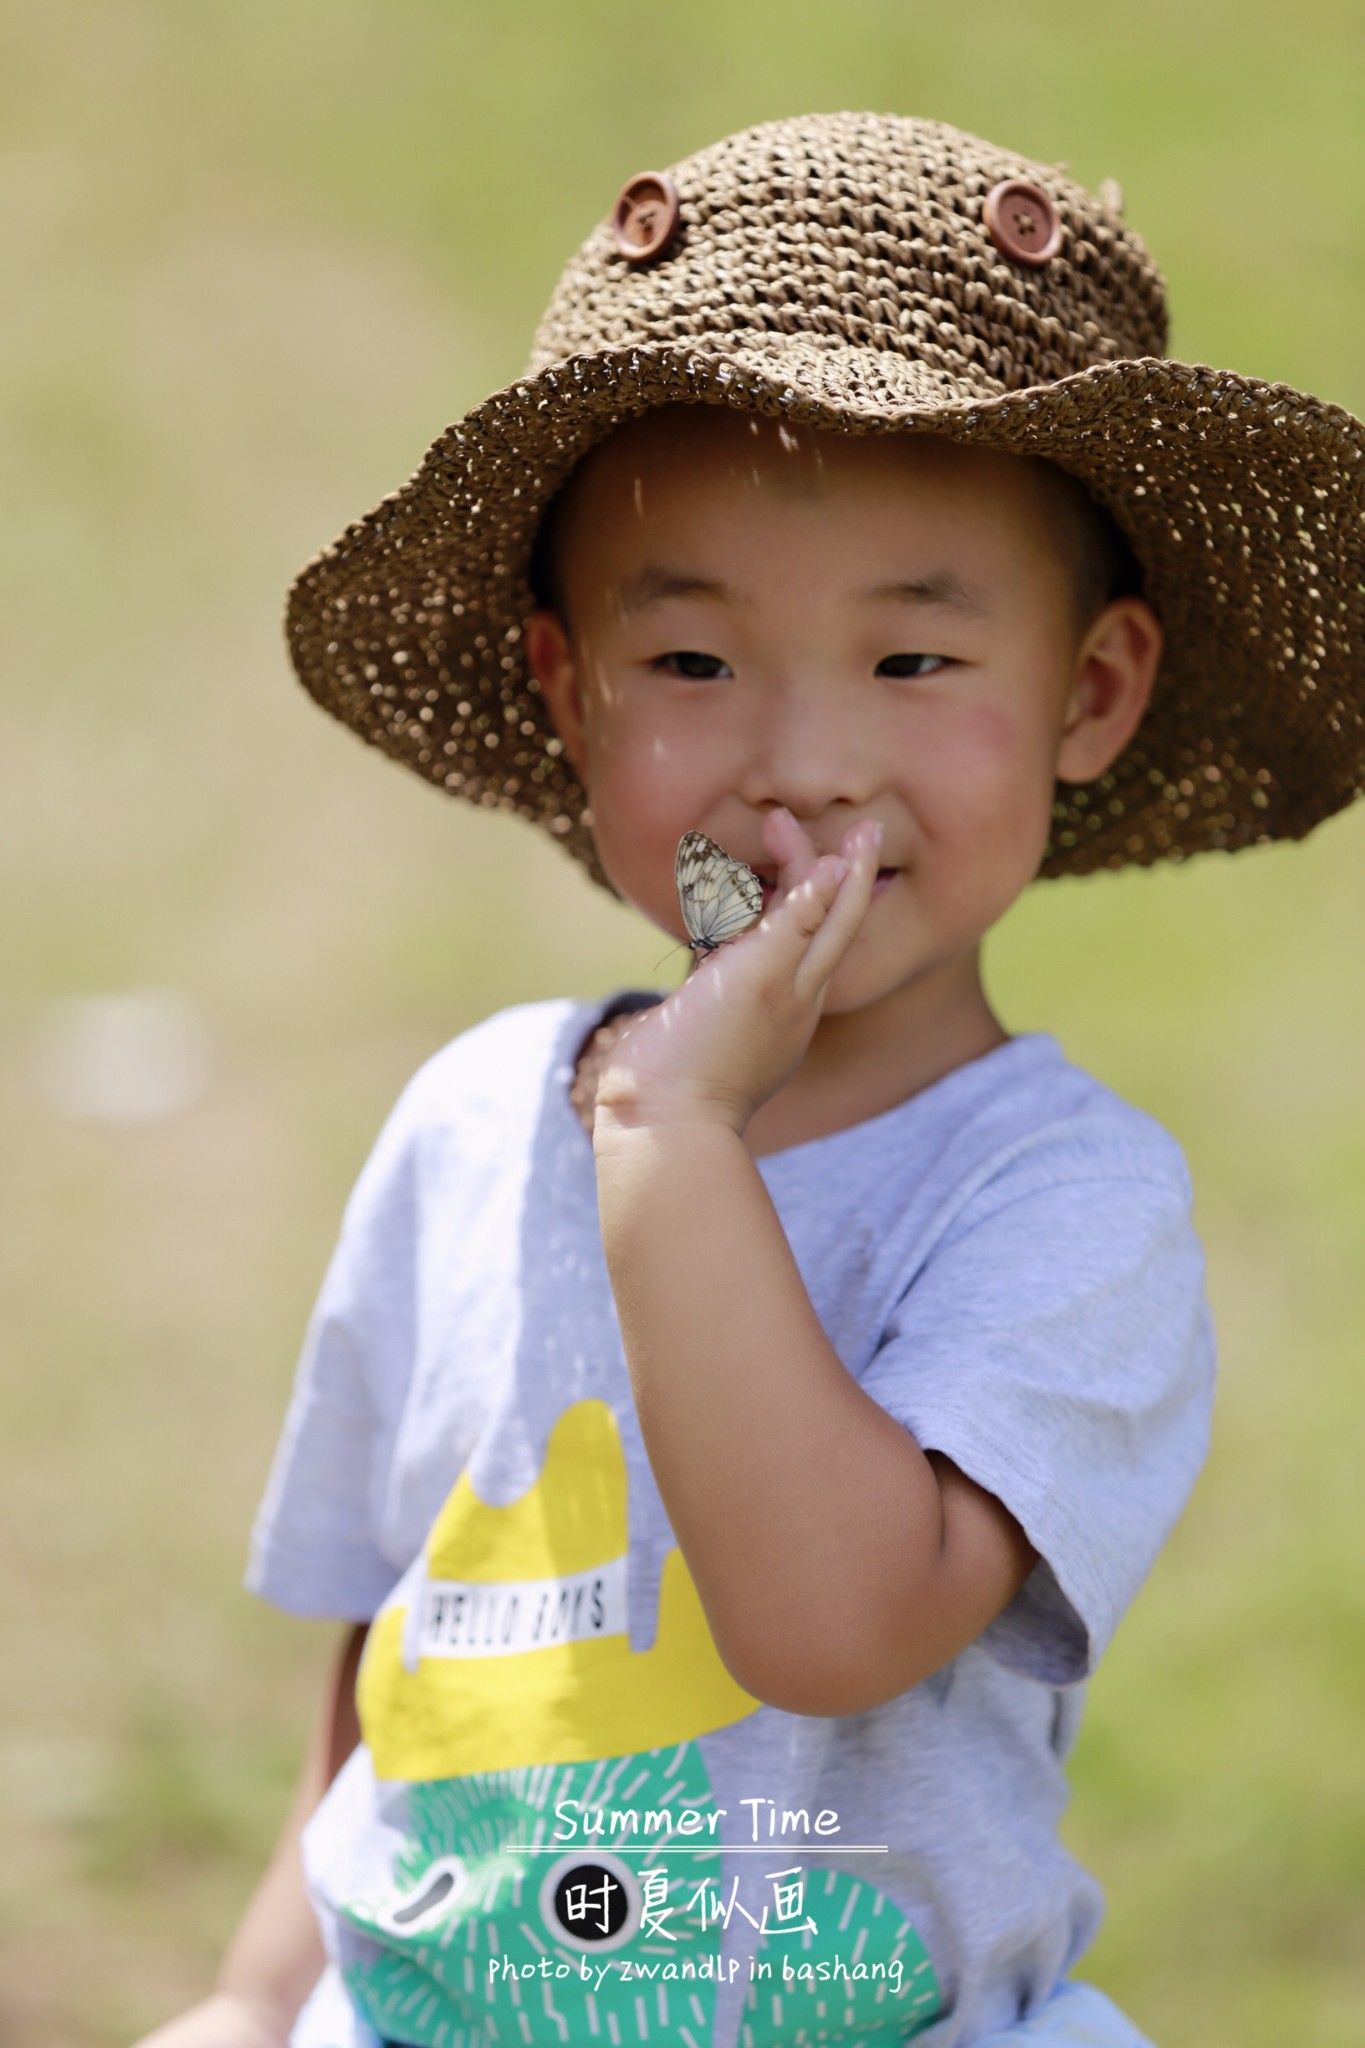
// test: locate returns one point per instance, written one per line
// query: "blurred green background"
(257, 256)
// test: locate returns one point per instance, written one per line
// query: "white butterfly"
(718, 894)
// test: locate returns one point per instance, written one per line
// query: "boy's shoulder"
(490, 1068)
(1052, 1118)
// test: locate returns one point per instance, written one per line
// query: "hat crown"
(868, 231)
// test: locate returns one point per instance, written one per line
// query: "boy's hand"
(220, 2021)
(726, 1040)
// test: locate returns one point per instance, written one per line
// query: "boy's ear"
(550, 659)
(1116, 665)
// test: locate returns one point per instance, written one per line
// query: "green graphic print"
(500, 1946)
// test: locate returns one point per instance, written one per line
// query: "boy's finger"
(787, 839)
(812, 901)
(839, 927)
(789, 926)
(823, 918)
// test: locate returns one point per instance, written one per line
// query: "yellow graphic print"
(499, 1687)
(563, 1703)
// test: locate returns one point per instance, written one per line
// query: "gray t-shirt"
(565, 1821)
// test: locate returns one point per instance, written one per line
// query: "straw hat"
(871, 271)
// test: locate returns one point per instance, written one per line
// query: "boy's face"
(946, 720)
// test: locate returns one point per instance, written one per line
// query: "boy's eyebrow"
(656, 582)
(940, 586)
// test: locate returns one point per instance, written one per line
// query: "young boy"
(735, 1421)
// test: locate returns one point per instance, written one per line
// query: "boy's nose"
(805, 755)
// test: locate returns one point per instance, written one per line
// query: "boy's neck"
(863, 1062)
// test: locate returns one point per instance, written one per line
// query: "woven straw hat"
(871, 272)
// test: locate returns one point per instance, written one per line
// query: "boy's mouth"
(769, 882)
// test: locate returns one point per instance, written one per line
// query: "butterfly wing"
(719, 896)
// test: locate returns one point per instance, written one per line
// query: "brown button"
(645, 216)
(1022, 221)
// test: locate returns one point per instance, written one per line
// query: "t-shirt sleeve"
(314, 1546)
(1058, 1347)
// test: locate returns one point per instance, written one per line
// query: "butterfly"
(719, 896)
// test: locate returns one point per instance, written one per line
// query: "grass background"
(257, 256)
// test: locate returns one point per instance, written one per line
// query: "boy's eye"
(942, 659)
(683, 654)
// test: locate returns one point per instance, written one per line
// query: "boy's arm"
(838, 1564)
(276, 1955)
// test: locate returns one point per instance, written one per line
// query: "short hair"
(545, 571)
(1104, 566)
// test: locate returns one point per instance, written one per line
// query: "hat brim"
(1241, 499)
